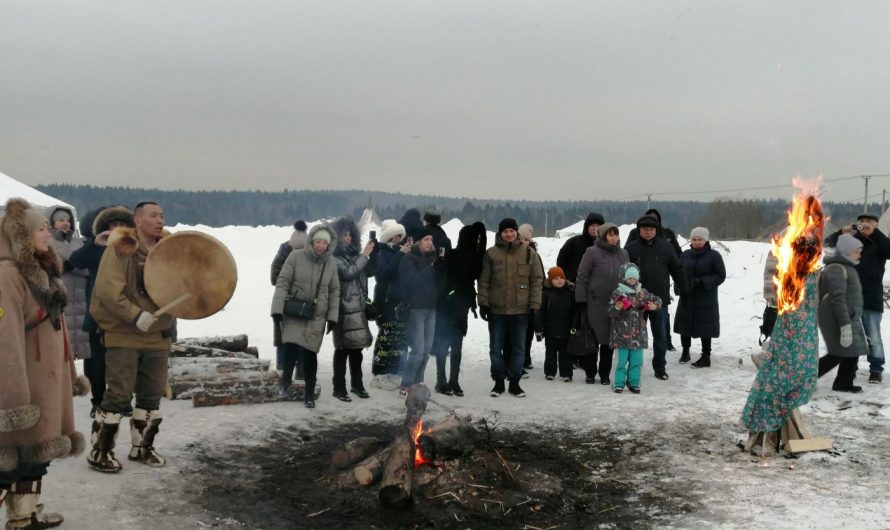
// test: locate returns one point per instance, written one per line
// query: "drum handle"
(172, 304)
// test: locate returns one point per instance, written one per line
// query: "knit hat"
(594, 217)
(389, 229)
(555, 272)
(604, 229)
(58, 215)
(700, 231)
(323, 234)
(506, 223)
(298, 237)
(432, 217)
(526, 231)
(647, 221)
(631, 271)
(846, 244)
(421, 233)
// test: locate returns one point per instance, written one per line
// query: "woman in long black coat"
(698, 314)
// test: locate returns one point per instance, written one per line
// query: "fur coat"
(36, 405)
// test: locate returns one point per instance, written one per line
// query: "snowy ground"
(690, 420)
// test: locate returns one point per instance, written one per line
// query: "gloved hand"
(483, 312)
(145, 321)
(539, 336)
(623, 303)
(331, 326)
(276, 323)
(846, 335)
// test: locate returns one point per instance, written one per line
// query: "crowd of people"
(65, 295)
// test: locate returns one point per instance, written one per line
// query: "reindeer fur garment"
(36, 406)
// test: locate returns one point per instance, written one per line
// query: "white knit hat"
(700, 231)
(389, 229)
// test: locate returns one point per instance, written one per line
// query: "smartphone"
(442, 252)
(373, 235)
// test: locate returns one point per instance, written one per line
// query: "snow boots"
(515, 389)
(684, 357)
(143, 429)
(704, 361)
(104, 431)
(23, 509)
(498, 388)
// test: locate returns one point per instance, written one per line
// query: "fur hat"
(526, 231)
(555, 272)
(700, 231)
(506, 223)
(389, 229)
(648, 221)
(847, 244)
(112, 214)
(298, 237)
(432, 217)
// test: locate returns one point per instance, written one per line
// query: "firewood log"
(194, 350)
(447, 439)
(184, 387)
(369, 470)
(354, 451)
(396, 481)
(248, 394)
(237, 343)
(209, 366)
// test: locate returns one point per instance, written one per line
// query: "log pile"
(224, 371)
(412, 460)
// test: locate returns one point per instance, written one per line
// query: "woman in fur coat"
(352, 334)
(37, 366)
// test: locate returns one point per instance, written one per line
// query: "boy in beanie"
(509, 288)
(554, 322)
(628, 308)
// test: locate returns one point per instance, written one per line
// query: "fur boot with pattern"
(23, 508)
(143, 428)
(101, 456)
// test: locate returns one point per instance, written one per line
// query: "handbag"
(582, 340)
(303, 309)
(372, 312)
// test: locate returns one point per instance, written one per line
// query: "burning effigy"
(788, 370)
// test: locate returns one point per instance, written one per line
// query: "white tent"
(9, 188)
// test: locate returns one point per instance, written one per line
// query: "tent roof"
(10, 187)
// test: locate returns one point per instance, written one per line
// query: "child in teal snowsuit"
(628, 308)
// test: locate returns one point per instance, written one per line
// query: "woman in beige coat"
(36, 366)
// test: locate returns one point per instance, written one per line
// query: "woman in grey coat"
(597, 278)
(352, 334)
(840, 314)
(65, 241)
(307, 274)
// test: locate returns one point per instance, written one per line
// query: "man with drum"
(137, 342)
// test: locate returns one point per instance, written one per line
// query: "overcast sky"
(504, 99)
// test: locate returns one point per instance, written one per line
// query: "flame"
(419, 458)
(799, 247)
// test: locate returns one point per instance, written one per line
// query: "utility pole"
(883, 201)
(648, 201)
(865, 201)
(546, 222)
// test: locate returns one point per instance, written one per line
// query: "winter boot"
(455, 388)
(515, 389)
(23, 509)
(704, 361)
(143, 429)
(104, 431)
(684, 357)
(444, 388)
(498, 388)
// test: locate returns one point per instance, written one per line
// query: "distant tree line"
(726, 218)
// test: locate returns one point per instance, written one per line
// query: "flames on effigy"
(799, 247)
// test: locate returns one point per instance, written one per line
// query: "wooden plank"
(800, 424)
(810, 444)
(236, 343)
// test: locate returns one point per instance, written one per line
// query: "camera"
(373, 236)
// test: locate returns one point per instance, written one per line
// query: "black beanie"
(648, 221)
(507, 223)
(300, 226)
(432, 218)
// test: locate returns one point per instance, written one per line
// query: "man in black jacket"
(658, 263)
(573, 250)
(875, 253)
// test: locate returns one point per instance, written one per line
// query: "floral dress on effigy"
(787, 378)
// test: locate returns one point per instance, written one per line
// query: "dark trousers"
(128, 371)
(686, 342)
(22, 473)
(448, 340)
(499, 328)
(659, 338)
(94, 368)
(589, 362)
(667, 329)
(527, 344)
(846, 371)
(556, 354)
(341, 356)
(292, 352)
